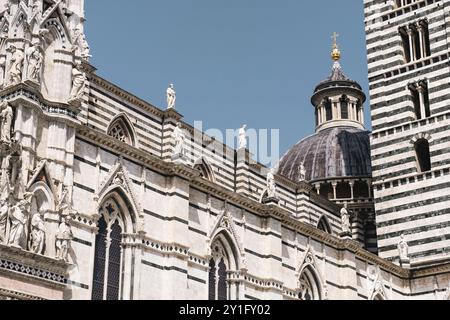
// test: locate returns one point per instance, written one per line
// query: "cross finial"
(336, 54)
(335, 36)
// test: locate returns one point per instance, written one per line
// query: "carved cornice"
(105, 84)
(32, 98)
(30, 265)
(6, 294)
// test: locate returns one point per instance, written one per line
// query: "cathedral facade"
(105, 196)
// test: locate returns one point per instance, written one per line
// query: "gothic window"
(422, 148)
(203, 167)
(121, 129)
(108, 254)
(324, 225)
(344, 107)
(219, 266)
(309, 285)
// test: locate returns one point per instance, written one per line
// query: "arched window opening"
(344, 107)
(361, 190)
(204, 169)
(343, 191)
(406, 44)
(328, 110)
(121, 130)
(108, 254)
(309, 285)
(324, 225)
(422, 148)
(219, 267)
(326, 191)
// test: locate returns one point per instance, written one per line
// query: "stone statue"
(15, 70)
(179, 138)
(171, 97)
(63, 237)
(4, 210)
(345, 216)
(34, 60)
(85, 49)
(80, 39)
(78, 83)
(302, 172)
(18, 217)
(6, 116)
(271, 184)
(403, 249)
(243, 137)
(37, 239)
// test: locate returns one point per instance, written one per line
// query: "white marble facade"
(93, 205)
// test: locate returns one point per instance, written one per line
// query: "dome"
(331, 153)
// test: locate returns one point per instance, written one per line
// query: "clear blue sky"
(232, 61)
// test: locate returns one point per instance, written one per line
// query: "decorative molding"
(33, 265)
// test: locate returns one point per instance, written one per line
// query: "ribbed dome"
(331, 153)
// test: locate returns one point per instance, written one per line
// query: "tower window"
(422, 148)
(416, 41)
(421, 99)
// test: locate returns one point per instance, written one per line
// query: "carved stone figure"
(37, 238)
(302, 172)
(78, 83)
(16, 68)
(271, 184)
(6, 117)
(243, 137)
(171, 97)
(179, 139)
(81, 42)
(18, 217)
(345, 216)
(4, 210)
(34, 60)
(403, 249)
(63, 238)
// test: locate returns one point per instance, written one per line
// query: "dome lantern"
(338, 100)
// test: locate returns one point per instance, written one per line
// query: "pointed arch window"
(219, 266)
(309, 285)
(324, 225)
(202, 166)
(108, 254)
(121, 129)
